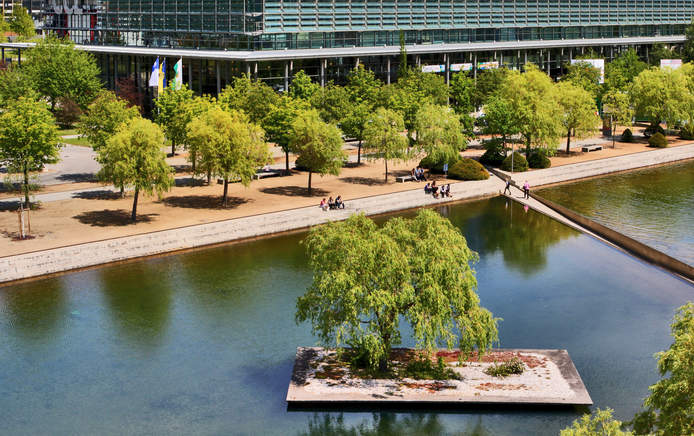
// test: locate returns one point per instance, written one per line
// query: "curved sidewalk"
(101, 252)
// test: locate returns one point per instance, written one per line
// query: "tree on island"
(367, 279)
(28, 139)
(173, 113)
(133, 157)
(318, 144)
(384, 140)
(229, 145)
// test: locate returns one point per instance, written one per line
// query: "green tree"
(229, 145)
(318, 144)
(383, 137)
(669, 407)
(278, 122)
(661, 95)
(439, 133)
(103, 117)
(57, 69)
(302, 86)
(21, 22)
(659, 51)
(463, 93)
(579, 114)
(616, 105)
(354, 124)
(28, 138)
(620, 73)
(254, 97)
(367, 279)
(133, 157)
(15, 83)
(688, 48)
(332, 102)
(599, 423)
(174, 112)
(584, 75)
(486, 84)
(363, 86)
(501, 119)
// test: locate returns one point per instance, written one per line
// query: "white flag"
(178, 76)
(154, 77)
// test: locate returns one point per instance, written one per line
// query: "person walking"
(508, 186)
(526, 190)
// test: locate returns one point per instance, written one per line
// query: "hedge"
(520, 164)
(467, 169)
(658, 140)
(538, 160)
(627, 136)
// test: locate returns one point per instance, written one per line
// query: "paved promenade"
(101, 252)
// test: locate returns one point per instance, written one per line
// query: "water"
(653, 206)
(203, 342)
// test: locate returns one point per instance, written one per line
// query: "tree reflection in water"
(385, 424)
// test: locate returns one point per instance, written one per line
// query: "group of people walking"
(526, 188)
(443, 191)
(337, 203)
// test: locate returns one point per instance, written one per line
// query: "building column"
(447, 61)
(115, 71)
(525, 62)
(255, 70)
(2, 49)
(549, 61)
(138, 78)
(418, 61)
(286, 77)
(356, 64)
(322, 73)
(388, 69)
(248, 69)
(474, 67)
(201, 76)
(190, 75)
(219, 77)
(501, 59)
(19, 57)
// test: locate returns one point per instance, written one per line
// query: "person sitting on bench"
(331, 203)
(420, 174)
(434, 189)
(446, 190)
(323, 205)
(427, 189)
(339, 204)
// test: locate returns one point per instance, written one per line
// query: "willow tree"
(439, 133)
(133, 157)
(383, 137)
(367, 279)
(579, 114)
(229, 145)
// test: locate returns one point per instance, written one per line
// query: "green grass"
(82, 142)
(63, 132)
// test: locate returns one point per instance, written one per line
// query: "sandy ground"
(102, 215)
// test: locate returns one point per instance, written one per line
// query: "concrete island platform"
(549, 378)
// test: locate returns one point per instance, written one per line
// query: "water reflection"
(386, 424)
(36, 312)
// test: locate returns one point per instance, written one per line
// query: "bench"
(402, 179)
(270, 173)
(588, 148)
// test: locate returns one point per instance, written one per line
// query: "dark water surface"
(654, 206)
(203, 342)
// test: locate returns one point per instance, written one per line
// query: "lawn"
(64, 132)
(81, 141)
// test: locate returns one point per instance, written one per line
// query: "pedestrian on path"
(526, 190)
(508, 186)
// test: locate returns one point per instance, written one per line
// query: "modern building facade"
(270, 39)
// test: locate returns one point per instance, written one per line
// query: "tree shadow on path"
(104, 194)
(368, 181)
(203, 202)
(294, 191)
(110, 218)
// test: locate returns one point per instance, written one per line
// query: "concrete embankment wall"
(631, 245)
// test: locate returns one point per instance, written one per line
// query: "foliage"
(383, 137)
(579, 114)
(367, 279)
(126, 88)
(487, 84)
(67, 112)
(627, 136)
(659, 51)
(538, 159)
(652, 129)
(21, 22)
(103, 117)
(28, 138)
(504, 369)
(669, 407)
(229, 145)
(658, 140)
(174, 112)
(279, 119)
(520, 164)
(332, 102)
(354, 124)
(686, 132)
(133, 157)
(436, 167)
(662, 95)
(254, 97)
(318, 144)
(57, 69)
(467, 169)
(500, 118)
(462, 88)
(493, 157)
(584, 75)
(302, 86)
(600, 423)
(363, 87)
(620, 73)
(15, 83)
(439, 133)
(617, 106)
(688, 48)
(424, 369)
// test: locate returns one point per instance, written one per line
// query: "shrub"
(67, 112)
(658, 140)
(436, 167)
(424, 369)
(467, 169)
(513, 366)
(538, 159)
(493, 157)
(653, 129)
(519, 163)
(627, 136)
(687, 132)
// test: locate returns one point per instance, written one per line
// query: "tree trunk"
(122, 191)
(386, 161)
(173, 148)
(193, 156)
(26, 185)
(209, 177)
(133, 216)
(359, 153)
(527, 147)
(226, 190)
(309, 182)
(286, 161)
(568, 142)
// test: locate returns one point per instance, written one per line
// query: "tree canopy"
(383, 137)
(620, 73)
(302, 86)
(486, 84)
(279, 119)
(254, 97)
(57, 69)
(501, 119)
(21, 22)
(103, 117)
(229, 145)
(584, 75)
(616, 106)
(599, 423)
(463, 93)
(174, 111)
(579, 114)
(15, 83)
(661, 95)
(133, 157)
(367, 279)
(439, 133)
(318, 144)
(28, 138)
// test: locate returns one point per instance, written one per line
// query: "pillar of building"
(474, 67)
(356, 64)
(322, 73)
(549, 61)
(190, 75)
(219, 76)
(138, 78)
(286, 76)
(255, 70)
(388, 70)
(447, 61)
(115, 71)
(2, 49)
(248, 69)
(201, 76)
(19, 57)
